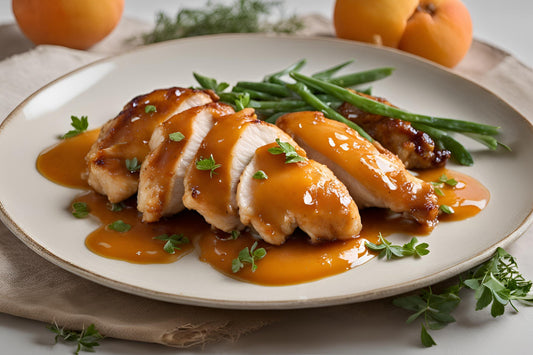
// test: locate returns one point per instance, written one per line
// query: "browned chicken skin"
(416, 149)
(127, 137)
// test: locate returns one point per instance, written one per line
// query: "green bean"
(268, 88)
(306, 94)
(272, 119)
(458, 151)
(328, 73)
(254, 94)
(275, 77)
(375, 107)
(362, 77)
(281, 105)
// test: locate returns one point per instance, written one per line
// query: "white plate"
(35, 208)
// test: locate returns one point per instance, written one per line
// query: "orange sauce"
(296, 261)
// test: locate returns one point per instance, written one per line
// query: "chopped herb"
(438, 191)
(150, 109)
(242, 101)
(291, 156)
(388, 250)
(116, 207)
(445, 180)
(235, 234)
(241, 16)
(248, 256)
(176, 136)
(80, 209)
(172, 242)
(133, 165)
(260, 175)
(119, 226)
(446, 209)
(80, 125)
(208, 164)
(86, 339)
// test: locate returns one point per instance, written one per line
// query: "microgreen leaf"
(249, 256)
(132, 165)
(242, 101)
(150, 109)
(85, 340)
(235, 234)
(291, 156)
(80, 209)
(116, 207)
(260, 175)
(176, 136)
(80, 125)
(208, 164)
(172, 242)
(388, 250)
(119, 226)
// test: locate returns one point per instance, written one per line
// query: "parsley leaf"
(176, 136)
(248, 256)
(116, 207)
(80, 209)
(291, 156)
(208, 164)
(210, 83)
(172, 242)
(388, 250)
(260, 175)
(133, 165)
(86, 339)
(235, 234)
(80, 125)
(150, 109)
(242, 101)
(119, 226)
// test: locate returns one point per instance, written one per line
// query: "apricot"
(438, 30)
(76, 24)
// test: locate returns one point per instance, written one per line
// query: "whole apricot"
(76, 24)
(439, 30)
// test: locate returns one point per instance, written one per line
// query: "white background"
(506, 25)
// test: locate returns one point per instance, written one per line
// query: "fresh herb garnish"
(80, 209)
(446, 209)
(150, 109)
(119, 226)
(208, 164)
(235, 234)
(242, 16)
(448, 181)
(248, 256)
(497, 283)
(388, 250)
(172, 242)
(291, 156)
(86, 339)
(133, 165)
(242, 101)
(116, 207)
(176, 136)
(260, 175)
(80, 125)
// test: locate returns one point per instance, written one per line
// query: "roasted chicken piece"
(174, 144)
(416, 149)
(302, 194)
(374, 176)
(211, 180)
(125, 138)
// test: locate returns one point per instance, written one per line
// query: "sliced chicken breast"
(284, 196)
(174, 145)
(211, 180)
(126, 138)
(374, 176)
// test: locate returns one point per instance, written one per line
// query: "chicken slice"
(374, 176)
(224, 153)
(416, 149)
(126, 138)
(174, 144)
(303, 194)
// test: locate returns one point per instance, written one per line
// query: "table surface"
(373, 327)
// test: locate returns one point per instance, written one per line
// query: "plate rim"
(284, 304)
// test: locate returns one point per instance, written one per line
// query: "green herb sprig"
(291, 155)
(80, 209)
(133, 165)
(80, 125)
(249, 256)
(85, 340)
(208, 164)
(389, 251)
(172, 242)
(119, 226)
